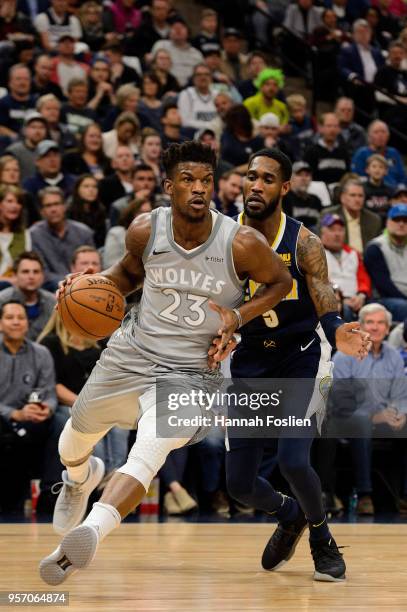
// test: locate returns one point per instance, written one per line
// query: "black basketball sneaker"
(281, 546)
(328, 561)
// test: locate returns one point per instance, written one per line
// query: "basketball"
(91, 306)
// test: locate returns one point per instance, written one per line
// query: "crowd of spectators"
(92, 92)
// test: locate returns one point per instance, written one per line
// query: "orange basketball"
(91, 306)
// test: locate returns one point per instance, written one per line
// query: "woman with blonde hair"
(127, 99)
(74, 358)
(9, 171)
(126, 132)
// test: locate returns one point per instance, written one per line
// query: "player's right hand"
(351, 340)
(68, 280)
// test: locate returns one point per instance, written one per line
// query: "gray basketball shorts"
(122, 387)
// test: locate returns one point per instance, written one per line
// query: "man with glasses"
(56, 237)
(196, 104)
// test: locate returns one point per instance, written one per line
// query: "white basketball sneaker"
(75, 552)
(73, 498)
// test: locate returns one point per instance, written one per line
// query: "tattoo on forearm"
(312, 261)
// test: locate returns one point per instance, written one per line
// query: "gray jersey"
(174, 325)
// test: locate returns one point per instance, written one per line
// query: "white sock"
(78, 473)
(104, 517)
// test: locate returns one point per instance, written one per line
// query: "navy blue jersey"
(295, 316)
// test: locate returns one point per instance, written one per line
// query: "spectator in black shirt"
(154, 26)
(298, 203)
(87, 208)
(256, 62)
(95, 26)
(162, 64)
(230, 188)
(120, 73)
(392, 80)
(116, 185)
(391, 77)
(90, 158)
(238, 141)
(172, 130)
(101, 93)
(352, 135)
(41, 83)
(50, 108)
(15, 104)
(328, 159)
(207, 37)
(75, 113)
(378, 194)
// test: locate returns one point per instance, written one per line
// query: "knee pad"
(147, 456)
(74, 445)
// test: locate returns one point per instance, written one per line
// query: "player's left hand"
(351, 340)
(225, 331)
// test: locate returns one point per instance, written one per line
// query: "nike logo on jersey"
(304, 348)
(160, 252)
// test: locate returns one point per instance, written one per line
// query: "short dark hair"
(188, 151)
(2, 306)
(168, 106)
(31, 256)
(142, 168)
(286, 166)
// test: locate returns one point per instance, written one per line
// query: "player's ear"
(285, 188)
(168, 185)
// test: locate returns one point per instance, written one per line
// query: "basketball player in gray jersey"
(193, 263)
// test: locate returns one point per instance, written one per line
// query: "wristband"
(239, 317)
(330, 323)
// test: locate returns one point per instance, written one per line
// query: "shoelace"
(71, 492)
(328, 551)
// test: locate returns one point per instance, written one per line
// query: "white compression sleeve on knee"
(105, 517)
(147, 456)
(73, 446)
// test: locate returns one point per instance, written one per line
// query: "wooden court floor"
(212, 567)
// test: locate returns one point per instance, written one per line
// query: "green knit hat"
(270, 73)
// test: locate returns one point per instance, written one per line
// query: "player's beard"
(261, 215)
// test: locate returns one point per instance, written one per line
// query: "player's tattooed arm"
(128, 273)
(312, 262)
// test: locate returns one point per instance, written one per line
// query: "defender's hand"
(225, 332)
(68, 280)
(352, 341)
(215, 347)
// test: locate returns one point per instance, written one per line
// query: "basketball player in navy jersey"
(193, 262)
(293, 340)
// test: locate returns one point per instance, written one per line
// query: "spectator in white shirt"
(196, 104)
(55, 22)
(184, 57)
